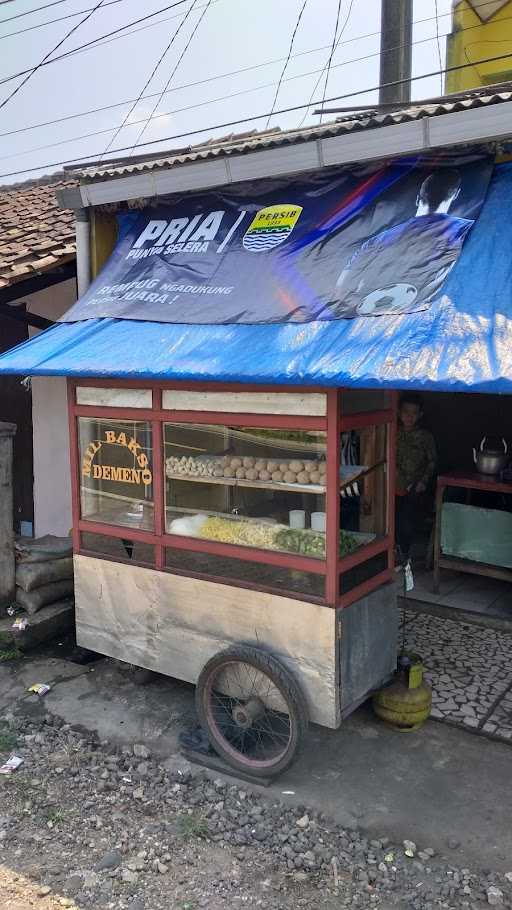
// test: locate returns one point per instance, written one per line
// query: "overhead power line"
(49, 54)
(439, 54)
(29, 12)
(101, 39)
(151, 77)
(236, 72)
(287, 60)
(31, 28)
(217, 126)
(335, 42)
(173, 72)
(94, 41)
(338, 42)
(146, 120)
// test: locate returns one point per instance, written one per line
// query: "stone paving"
(470, 670)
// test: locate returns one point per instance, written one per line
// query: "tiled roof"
(35, 234)
(242, 143)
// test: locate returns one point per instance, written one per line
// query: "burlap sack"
(31, 575)
(32, 601)
(42, 549)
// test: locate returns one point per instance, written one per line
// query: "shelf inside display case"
(261, 484)
(349, 474)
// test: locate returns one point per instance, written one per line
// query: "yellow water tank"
(480, 29)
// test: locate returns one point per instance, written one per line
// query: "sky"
(207, 88)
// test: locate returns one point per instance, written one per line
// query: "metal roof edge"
(491, 122)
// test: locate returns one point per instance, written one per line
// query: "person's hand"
(420, 487)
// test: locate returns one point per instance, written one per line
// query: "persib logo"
(270, 227)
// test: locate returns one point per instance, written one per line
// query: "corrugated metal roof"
(243, 143)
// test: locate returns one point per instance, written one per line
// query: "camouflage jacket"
(415, 458)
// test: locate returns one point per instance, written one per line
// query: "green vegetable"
(309, 543)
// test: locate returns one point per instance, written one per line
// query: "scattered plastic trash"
(11, 611)
(389, 857)
(12, 764)
(20, 624)
(39, 689)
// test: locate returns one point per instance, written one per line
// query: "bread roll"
(322, 467)
(273, 466)
(310, 466)
(260, 465)
(303, 477)
(264, 475)
(236, 463)
(296, 466)
(249, 461)
(316, 477)
(240, 473)
(229, 472)
(289, 477)
(277, 476)
(251, 474)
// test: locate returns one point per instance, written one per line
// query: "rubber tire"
(289, 690)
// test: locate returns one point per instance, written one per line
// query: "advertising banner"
(336, 245)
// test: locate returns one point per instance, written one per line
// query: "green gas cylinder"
(406, 703)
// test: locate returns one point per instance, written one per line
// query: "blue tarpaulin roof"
(462, 343)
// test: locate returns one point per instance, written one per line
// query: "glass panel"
(117, 548)
(252, 487)
(253, 573)
(363, 572)
(364, 486)
(116, 472)
(356, 401)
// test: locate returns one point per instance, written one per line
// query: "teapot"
(490, 459)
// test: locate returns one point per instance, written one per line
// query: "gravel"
(92, 827)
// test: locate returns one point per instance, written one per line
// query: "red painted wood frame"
(333, 424)
(384, 544)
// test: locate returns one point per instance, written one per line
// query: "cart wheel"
(252, 710)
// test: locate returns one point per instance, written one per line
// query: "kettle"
(490, 459)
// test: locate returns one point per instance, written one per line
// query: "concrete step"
(46, 624)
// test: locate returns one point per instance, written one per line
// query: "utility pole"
(395, 50)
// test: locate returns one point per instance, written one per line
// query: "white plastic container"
(318, 521)
(297, 518)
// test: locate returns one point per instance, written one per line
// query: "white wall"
(52, 486)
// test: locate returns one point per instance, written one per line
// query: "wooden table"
(467, 481)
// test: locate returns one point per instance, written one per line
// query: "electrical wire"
(218, 126)
(31, 28)
(29, 12)
(173, 73)
(440, 56)
(102, 39)
(286, 62)
(333, 45)
(213, 78)
(49, 54)
(192, 106)
(318, 81)
(151, 77)
(96, 40)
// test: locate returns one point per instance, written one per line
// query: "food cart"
(220, 539)
(232, 410)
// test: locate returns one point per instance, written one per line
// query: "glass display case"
(255, 487)
(294, 495)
